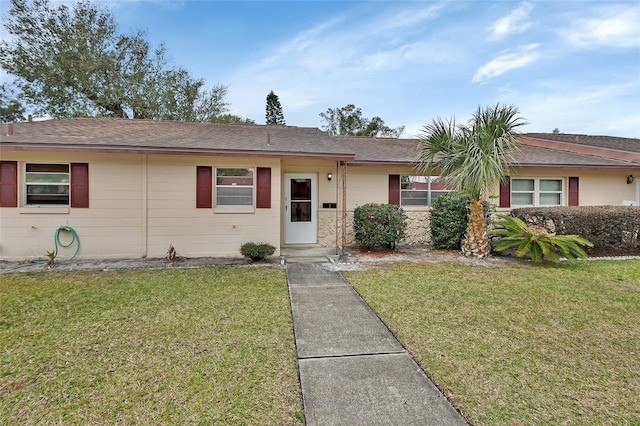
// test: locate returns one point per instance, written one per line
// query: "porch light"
(630, 179)
(329, 176)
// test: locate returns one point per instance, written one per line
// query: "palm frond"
(514, 232)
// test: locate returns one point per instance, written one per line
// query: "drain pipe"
(145, 208)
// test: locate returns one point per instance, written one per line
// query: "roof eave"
(379, 163)
(119, 149)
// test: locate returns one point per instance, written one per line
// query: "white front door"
(300, 211)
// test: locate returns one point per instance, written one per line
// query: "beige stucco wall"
(138, 206)
(370, 184)
(111, 227)
(597, 187)
(174, 219)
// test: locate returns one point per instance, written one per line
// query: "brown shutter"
(394, 189)
(80, 185)
(263, 194)
(204, 187)
(573, 191)
(505, 191)
(8, 184)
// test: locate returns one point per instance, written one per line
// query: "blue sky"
(572, 65)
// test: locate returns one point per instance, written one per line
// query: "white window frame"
(429, 191)
(536, 192)
(234, 206)
(27, 184)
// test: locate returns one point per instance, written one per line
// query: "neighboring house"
(130, 188)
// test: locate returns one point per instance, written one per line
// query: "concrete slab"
(372, 390)
(297, 251)
(306, 259)
(335, 321)
(312, 274)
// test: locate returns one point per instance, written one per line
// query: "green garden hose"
(75, 239)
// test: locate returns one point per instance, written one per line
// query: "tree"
(274, 114)
(472, 158)
(231, 119)
(348, 121)
(11, 109)
(70, 60)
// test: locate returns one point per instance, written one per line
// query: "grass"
(206, 346)
(520, 344)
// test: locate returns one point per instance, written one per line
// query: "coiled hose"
(75, 239)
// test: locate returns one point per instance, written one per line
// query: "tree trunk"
(476, 240)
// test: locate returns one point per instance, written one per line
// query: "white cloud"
(349, 58)
(516, 22)
(597, 110)
(506, 61)
(609, 27)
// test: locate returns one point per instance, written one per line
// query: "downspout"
(337, 209)
(344, 206)
(145, 209)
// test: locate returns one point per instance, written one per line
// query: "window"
(534, 192)
(420, 190)
(234, 187)
(47, 184)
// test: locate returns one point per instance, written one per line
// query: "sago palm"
(472, 158)
(537, 242)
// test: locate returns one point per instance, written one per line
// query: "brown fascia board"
(122, 149)
(597, 151)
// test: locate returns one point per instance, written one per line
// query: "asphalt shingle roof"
(611, 142)
(236, 139)
(538, 156)
(175, 135)
(380, 150)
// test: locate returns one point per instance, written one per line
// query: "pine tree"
(274, 113)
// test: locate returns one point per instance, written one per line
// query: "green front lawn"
(520, 344)
(206, 346)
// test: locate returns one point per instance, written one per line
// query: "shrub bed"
(613, 230)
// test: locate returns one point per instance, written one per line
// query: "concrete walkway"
(353, 371)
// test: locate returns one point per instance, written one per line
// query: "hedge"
(613, 230)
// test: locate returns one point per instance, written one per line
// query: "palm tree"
(472, 158)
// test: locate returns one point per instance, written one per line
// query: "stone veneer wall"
(418, 231)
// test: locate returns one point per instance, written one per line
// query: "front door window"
(300, 200)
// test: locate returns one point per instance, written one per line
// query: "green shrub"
(379, 225)
(611, 229)
(536, 241)
(449, 220)
(449, 217)
(257, 251)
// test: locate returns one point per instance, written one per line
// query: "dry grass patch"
(520, 344)
(206, 346)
